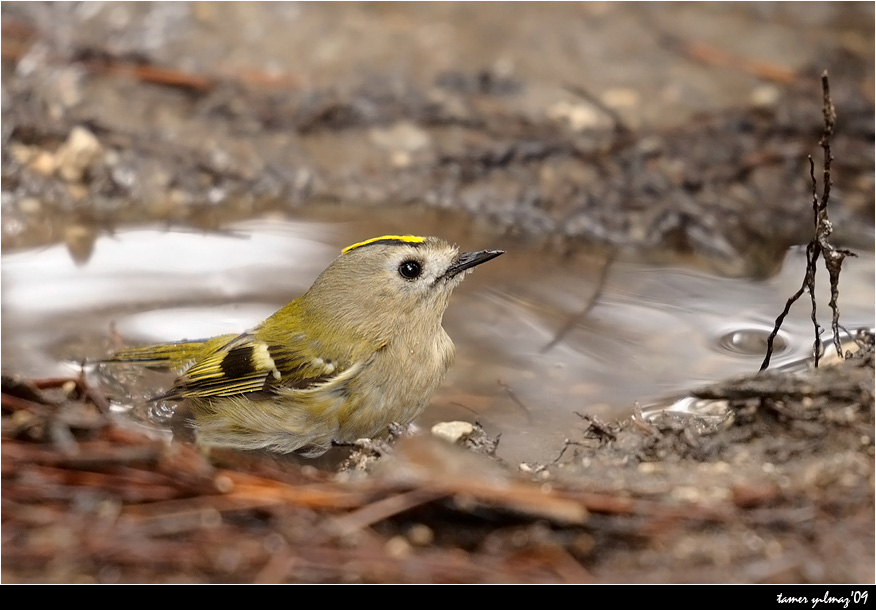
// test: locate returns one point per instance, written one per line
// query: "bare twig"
(620, 127)
(516, 400)
(710, 55)
(566, 444)
(833, 257)
(600, 429)
(591, 302)
(820, 245)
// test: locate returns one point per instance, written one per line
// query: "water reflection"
(651, 332)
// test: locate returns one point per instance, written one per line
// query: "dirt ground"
(663, 130)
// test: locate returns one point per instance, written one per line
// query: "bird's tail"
(177, 356)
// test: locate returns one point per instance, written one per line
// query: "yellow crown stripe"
(387, 239)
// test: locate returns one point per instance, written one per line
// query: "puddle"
(654, 331)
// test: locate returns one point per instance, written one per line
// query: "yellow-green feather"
(176, 356)
(352, 354)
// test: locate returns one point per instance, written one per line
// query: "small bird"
(361, 350)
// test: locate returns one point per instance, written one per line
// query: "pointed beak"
(469, 260)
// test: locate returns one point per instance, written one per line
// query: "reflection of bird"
(362, 349)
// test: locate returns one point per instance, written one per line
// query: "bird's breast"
(396, 385)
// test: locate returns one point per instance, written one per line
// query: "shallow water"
(652, 332)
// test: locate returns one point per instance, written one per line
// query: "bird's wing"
(248, 363)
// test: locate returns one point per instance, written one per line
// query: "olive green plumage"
(363, 348)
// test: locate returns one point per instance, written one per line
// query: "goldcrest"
(362, 349)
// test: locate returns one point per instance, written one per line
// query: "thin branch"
(820, 245)
(591, 302)
(619, 125)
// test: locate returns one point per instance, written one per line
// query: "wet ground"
(181, 170)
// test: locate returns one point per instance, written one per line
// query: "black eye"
(410, 270)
